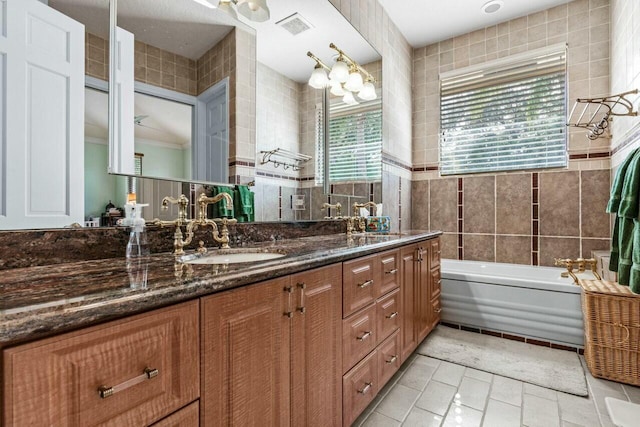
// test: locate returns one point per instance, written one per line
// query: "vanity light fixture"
(205, 3)
(346, 78)
(253, 10)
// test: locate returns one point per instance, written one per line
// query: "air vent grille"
(295, 24)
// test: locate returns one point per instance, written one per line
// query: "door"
(245, 356)
(211, 145)
(408, 259)
(42, 133)
(316, 388)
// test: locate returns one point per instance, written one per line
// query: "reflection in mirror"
(194, 55)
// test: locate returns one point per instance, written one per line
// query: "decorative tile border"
(535, 220)
(460, 219)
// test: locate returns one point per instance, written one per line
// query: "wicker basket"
(612, 331)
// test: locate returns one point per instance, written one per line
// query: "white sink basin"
(231, 256)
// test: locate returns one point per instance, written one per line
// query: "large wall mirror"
(184, 49)
(273, 117)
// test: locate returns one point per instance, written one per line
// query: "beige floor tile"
(378, 420)
(449, 373)
(421, 418)
(500, 414)
(539, 412)
(473, 393)
(633, 392)
(436, 397)
(578, 410)
(507, 390)
(536, 390)
(397, 403)
(417, 375)
(426, 360)
(462, 416)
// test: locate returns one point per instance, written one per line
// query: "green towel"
(220, 209)
(243, 204)
(624, 201)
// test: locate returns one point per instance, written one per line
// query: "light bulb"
(255, 10)
(368, 92)
(340, 71)
(318, 79)
(349, 99)
(354, 82)
(225, 6)
(336, 88)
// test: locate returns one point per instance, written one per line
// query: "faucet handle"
(182, 202)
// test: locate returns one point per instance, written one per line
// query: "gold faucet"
(357, 206)
(582, 263)
(222, 236)
(357, 222)
(178, 238)
(179, 241)
(337, 207)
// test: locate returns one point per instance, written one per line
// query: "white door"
(121, 144)
(211, 146)
(41, 116)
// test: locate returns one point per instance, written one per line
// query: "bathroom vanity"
(306, 339)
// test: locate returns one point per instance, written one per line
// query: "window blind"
(510, 116)
(355, 143)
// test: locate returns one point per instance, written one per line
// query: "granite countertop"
(41, 301)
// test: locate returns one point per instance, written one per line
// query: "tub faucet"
(582, 263)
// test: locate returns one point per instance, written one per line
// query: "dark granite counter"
(45, 300)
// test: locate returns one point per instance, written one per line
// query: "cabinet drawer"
(435, 283)
(359, 283)
(389, 270)
(185, 417)
(388, 316)
(435, 312)
(435, 252)
(129, 372)
(359, 388)
(358, 336)
(388, 358)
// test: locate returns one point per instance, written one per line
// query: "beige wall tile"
(595, 195)
(449, 245)
(513, 249)
(554, 247)
(443, 204)
(420, 205)
(479, 247)
(479, 204)
(559, 204)
(513, 204)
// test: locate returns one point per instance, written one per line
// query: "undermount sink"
(231, 256)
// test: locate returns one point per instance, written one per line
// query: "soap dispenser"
(137, 245)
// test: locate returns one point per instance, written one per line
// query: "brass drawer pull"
(364, 336)
(366, 388)
(301, 308)
(106, 391)
(394, 271)
(438, 310)
(365, 284)
(393, 359)
(392, 315)
(439, 281)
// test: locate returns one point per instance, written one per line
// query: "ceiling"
(423, 22)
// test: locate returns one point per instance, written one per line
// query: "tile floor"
(429, 392)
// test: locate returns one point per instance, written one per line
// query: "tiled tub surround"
(41, 301)
(521, 218)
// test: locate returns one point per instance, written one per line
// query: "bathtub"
(533, 302)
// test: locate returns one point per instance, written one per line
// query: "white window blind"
(355, 143)
(509, 116)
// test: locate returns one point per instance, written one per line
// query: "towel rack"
(285, 158)
(606, 107)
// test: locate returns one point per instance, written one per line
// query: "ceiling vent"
(295, 24)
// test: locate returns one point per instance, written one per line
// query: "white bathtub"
(534, 302)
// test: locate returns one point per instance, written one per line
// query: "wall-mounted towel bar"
(285, 158)
(597, 112)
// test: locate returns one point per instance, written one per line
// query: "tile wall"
(625, 74)
(523, 218)
(167, 70)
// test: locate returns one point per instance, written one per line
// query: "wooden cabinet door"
(131, 372)
(408, 262)
(389, 271)
(317, 348)
(246, 356)
(423, 292)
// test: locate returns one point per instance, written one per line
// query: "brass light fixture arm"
(367, 75)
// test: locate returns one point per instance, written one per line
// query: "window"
(355, 143)
(508, 115)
